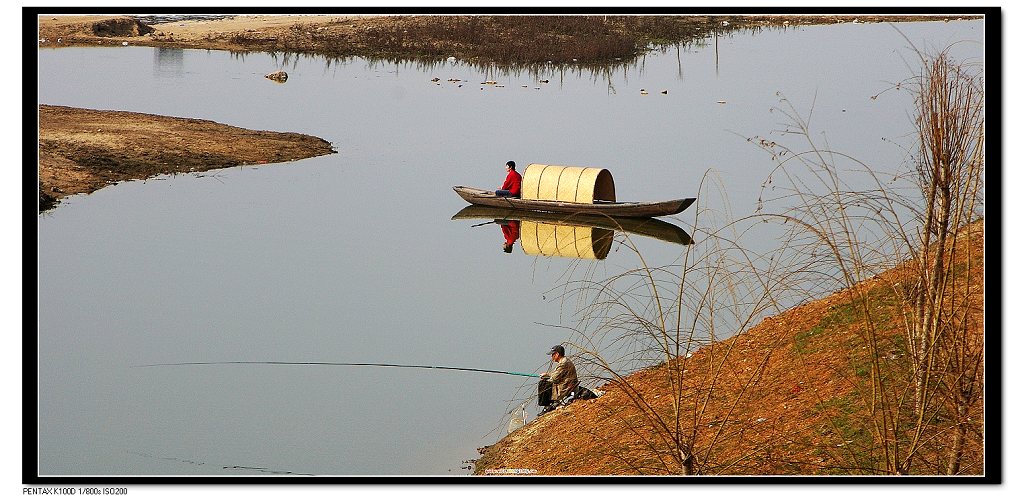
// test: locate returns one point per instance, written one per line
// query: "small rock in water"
(278, 76)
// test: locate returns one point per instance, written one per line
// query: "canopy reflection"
(571, 236)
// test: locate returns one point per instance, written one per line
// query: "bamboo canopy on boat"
(574, 184)
(572, 241)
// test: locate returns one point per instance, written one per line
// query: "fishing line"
(350, 364)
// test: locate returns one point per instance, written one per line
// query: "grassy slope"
(790, 398)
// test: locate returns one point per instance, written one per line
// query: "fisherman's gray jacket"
(563, 379)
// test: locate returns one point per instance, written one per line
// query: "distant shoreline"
(504, 40)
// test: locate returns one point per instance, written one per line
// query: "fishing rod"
(351, 364)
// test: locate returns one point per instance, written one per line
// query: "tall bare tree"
(864, 231)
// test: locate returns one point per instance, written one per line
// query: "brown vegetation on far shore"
(513, 40)
(83, 150)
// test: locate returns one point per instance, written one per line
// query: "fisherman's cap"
(557, 348)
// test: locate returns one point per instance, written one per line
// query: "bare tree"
(917, 386)
(951, 123)
(659, 315)
(864, 231)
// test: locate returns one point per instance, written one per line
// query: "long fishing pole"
(357, 364)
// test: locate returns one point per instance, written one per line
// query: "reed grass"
(916, 400)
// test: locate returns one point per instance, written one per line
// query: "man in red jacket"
(513, 182)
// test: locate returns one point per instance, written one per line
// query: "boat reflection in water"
(572, 236)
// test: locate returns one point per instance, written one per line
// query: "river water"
(353, 257)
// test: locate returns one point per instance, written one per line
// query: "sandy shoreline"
(83, 150)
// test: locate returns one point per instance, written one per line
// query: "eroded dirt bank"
(82, 150)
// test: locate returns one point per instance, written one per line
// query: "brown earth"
(788, 399)
(82, 150)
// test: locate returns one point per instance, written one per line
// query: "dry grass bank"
(788, 398)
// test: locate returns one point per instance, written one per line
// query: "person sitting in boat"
(562, 378)
(513, 182)
(509, 229)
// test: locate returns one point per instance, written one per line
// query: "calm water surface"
(352, 257)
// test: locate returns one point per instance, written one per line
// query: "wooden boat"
(483, 197)
(648, 227)
(571, 189)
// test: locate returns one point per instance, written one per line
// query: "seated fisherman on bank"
(563, 377)
(513, 182)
